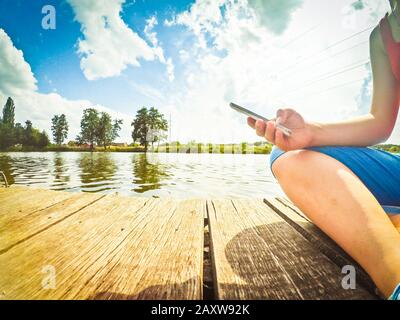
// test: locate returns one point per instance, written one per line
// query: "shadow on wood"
(174, 291)
(273, 261)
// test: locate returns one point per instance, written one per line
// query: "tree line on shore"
(96, 129)
(12, 133)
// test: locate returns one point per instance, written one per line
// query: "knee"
(289, 165)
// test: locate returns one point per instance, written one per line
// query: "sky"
(189, 59)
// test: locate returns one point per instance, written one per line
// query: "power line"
(327, 48)
(348, 38)
(346, 84)
(328, 58)
(295, 39)
(329, 75)
(300, 36)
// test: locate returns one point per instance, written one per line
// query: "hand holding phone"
(286, 131)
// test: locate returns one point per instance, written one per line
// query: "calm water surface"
(157, 175)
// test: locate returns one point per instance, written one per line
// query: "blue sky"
(187, 58)
(45, 50)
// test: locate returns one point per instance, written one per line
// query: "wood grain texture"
(258, 255)
(114, 248)
(291, 214)
(19, 202)
(18, 225)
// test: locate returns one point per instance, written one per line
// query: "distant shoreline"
(184, 149)
(243, 148)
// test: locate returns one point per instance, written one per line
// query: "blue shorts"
(378, 170)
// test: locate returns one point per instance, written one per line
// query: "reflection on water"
(97, 172)
(157, 175)
(148, 176)
(61, 176)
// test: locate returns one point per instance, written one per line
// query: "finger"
(270, 132)
(260, 128)
(280, 140)
(251, 122)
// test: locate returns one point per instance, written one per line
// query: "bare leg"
(340, 204)
(395, 218)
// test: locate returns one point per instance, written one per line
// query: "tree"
(9, 113)
(158, 126)
(32, 137)
(141, 127)
(98, 128)
(116, 128)
(43, 139)
(7, 136)
(59, 127)
(14, 133)
(28, 134)
(89, 127)
(19, 133)
(148, 126)
(107, 130)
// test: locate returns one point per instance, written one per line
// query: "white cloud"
(17, 81)
(148, 30)
(275, 14)
(152, 37)
(109, 45)
(13, 68)
(184, 56)
(234, 58)
(373, 7)
(237, 58)
(170, 69)
(40, 108)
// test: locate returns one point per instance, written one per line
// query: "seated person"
(350, 191)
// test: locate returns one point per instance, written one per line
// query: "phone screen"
(247, 112)
(256, 116)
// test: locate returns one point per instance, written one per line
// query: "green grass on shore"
(243, 148)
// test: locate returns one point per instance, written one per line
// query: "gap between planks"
(258, 255)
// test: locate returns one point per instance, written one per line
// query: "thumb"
(282, 115)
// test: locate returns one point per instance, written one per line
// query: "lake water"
(138, 174)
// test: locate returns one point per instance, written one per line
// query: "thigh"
(395, 218)
(330, 194)
(341, 205)
(379, 171)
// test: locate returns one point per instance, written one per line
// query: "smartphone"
(286, 131)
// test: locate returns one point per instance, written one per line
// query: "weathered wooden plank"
(18, 202)
(258, 255)
(13, 191)
(286, 202)
(2, 188)
(162, 261)
(291, 214)
(18, 226)
(120, 248)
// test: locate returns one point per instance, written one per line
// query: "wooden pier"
(59, 245)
